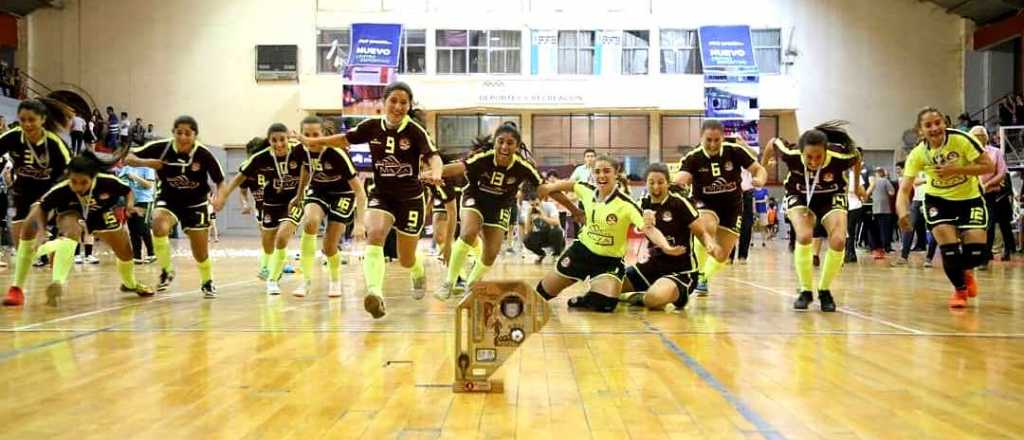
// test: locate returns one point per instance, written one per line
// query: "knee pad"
(975, 254)
(543, 293)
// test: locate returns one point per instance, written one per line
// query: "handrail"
(984, 111)
(29, 79)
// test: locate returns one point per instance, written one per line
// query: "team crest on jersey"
(728, 165)
(293, 165)
(196, 166)
(666, 216)
(374, 202)
(470, 202)
(565, 262)
(932, 212)
(510, 180)
(828, 177)
(699, 204)
(327, 166)
(404, 144)
(612, 219)
(104, 196)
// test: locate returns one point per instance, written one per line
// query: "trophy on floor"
(491, 322)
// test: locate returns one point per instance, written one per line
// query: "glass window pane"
(415, 36)
(504, 61)
(550, 131)
(579, 134)
(679, 134)
(566, 39)
(585, 62)
(633, 39)
(444, 61)
(505, 39)
(478, 38)
(456, 133)
(489, 123)
(671, 37)
(567, 61)
(634, 61)
(768, 60)
(478, 61)
(331, 59)
(766, 37)
(459, 60)
(417, 59)
(586, 39)
(327, 36)
(451, 38)
(602, 132)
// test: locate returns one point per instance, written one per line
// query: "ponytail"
(87, 163)
(56, 115)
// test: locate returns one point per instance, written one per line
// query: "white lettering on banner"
(373, 50)
(515, 92)
(728, 53)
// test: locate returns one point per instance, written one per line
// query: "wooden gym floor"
(894, 362)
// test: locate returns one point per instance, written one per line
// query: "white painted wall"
(872, 62)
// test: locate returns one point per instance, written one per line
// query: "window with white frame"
(332, 46)
(576, 52)
(767, 45)
(478, 51)
(413, 57)
(680, 52)
(634, 52)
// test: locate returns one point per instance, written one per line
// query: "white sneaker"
(78, 259)
(334, 289)
(444, 292)
(92, 259)
(273, 288)
(419, 285)
(302, 289)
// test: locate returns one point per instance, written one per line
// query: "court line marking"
(840, 309)
(8, 355)
(553, 333)
(159, 298)
(763, 426)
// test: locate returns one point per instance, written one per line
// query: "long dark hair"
(87, 163)
(56, 115)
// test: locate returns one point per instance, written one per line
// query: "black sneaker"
(825, 299)
(209, 292)
(805, 299)
(165, 280)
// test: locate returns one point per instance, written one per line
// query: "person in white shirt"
(124, 129)
(78, 127)
(855, 195)
(585, 172)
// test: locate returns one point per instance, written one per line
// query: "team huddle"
(299, 181)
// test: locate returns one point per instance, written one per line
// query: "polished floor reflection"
(893, 363)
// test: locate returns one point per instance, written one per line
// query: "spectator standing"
(112, 130)
(882, 192)
(142, 181)
(761, 210)
(138, 132)
(78, 127)
(998, 198)
(124, 130)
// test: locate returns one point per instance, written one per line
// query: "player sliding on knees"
(666, 279)
(601, 243)
(816, 197)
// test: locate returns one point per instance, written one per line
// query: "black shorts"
(725, 209)
(643, 276)
(188, 217)
(24, 198)
(494, 212)
(579, 263)
(407, 213)
(964, 214)
(274, 215)
(97, 222)
(339, 207)
(821, 207)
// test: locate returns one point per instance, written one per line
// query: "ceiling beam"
(999, 32)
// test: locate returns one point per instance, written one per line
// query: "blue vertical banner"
(375, 44)
(731, 79)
